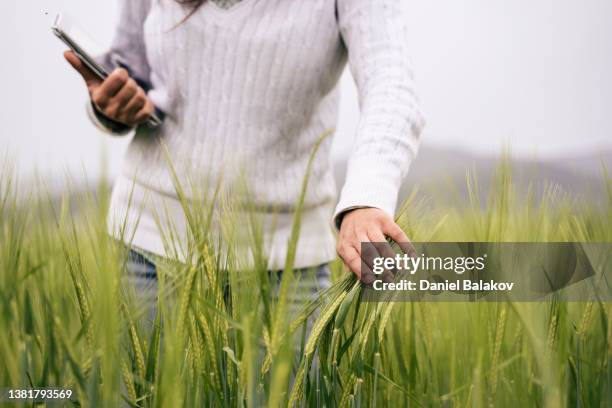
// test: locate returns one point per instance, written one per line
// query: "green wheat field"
(67, 320)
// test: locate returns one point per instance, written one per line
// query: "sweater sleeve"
(374, 32)
(127, 51)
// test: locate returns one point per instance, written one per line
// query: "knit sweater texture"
(247, 91)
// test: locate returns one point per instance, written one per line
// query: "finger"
(351, 258)
(145, 112)
(135, 104)
(359, 268)
(361, 237)
(393, 231)
(91, 79)
(125, 95)
(113, 84)
(379, 242)
(377, 237)
(367, 251)
(348, 254)
(116, 107)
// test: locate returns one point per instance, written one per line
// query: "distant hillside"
(445, 170)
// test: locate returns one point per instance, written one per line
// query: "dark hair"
(193, 4)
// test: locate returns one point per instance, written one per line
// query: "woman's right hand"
(118, 97)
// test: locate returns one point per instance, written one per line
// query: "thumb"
(91, 79)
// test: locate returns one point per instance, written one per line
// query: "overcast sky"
(534, 74)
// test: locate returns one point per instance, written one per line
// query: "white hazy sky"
(534, 74)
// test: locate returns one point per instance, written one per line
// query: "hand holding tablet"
(113, 92)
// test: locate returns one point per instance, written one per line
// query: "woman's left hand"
(365, 225)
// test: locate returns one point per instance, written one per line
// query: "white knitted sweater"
(253, 87)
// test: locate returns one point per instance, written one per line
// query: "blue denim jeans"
(141, 274)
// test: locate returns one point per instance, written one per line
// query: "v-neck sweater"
(226, 3)
(247, 91)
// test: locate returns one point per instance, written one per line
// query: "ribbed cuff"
(366, 191)
(105, 124)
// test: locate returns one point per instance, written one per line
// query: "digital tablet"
(89, 51)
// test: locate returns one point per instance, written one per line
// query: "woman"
(253, 84)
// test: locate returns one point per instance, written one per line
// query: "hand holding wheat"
(364, 225)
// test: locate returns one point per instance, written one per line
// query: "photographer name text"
(446, 286)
